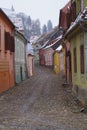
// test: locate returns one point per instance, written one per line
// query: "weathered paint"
(68, 63)
(56, 63)
(20, 58)
(6, 57)
(86, 53)
(62, 60)
(48, 54)
(4, 76)
(30, 59)
(59, 61)
(78, 78)
(30, 65)
(78, 5)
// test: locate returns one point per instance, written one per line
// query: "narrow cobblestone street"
(41, 103)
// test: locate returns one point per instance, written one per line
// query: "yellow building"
(77, 36)
(56, 62)
(59, 61)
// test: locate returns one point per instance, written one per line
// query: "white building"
(30, 59)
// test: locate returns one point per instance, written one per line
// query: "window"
(82, 59)
(7, 41)
(86, 55)
(12, 44)
(75, 60)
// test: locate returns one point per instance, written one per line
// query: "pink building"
(30, 59)
(48, 55)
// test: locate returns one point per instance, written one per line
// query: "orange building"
(6, 52)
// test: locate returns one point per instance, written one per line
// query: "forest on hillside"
(33, 27)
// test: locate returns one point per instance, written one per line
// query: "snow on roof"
(59, 48)
(33, 39)
(29, 49)
(9, 12)
(57, 39)
(64, 9)
(82, 17)
(44, 44)
(17, 21)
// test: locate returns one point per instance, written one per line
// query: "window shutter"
(12, 44)
(82, 59)
(9, 42)
(75, 60)
(6, 40)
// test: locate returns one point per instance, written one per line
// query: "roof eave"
(7, 17)
(78, 24)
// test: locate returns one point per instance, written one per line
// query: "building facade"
(30, 59)
(76, 35)
(20, 57)
(6, 52)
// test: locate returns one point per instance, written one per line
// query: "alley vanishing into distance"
(41, 103)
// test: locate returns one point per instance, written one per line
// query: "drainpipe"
(82, 5)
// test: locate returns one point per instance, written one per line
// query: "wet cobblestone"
(41, 103)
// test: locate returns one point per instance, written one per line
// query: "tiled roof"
(55, 44)
(81, 18)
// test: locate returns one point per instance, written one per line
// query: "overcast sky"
(42, 9)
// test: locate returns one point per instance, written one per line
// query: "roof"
(2, 12)
(64, 9)
(29, 49)
(19, 33)
(55, 44)
(81, 18)
(46, 36)
(63, 15)
(44, 45)
(56, 34)
(58, 43)
(17, 21)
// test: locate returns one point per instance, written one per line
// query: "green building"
(20, 57)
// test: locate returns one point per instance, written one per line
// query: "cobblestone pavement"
(41, 103)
